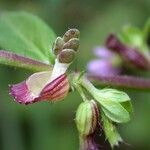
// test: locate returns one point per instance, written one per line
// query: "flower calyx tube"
(87, 118)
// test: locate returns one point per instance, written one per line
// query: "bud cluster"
(65, 47)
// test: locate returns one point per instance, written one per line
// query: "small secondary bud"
(66, 56)
(88, 143)
(58, 45)
(72, 33)
(72, 44)
(131, 55)
(87, 117)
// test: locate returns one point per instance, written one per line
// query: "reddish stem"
(122, 81)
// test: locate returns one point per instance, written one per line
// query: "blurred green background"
(44, 126)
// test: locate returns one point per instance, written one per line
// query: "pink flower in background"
(133, 56)
(104, 64)
(103, 52)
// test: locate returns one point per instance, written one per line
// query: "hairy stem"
(15, 60)
(129, 82)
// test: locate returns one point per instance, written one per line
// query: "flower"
(105, 64)
(50, 85)
(39, 87)
(103, 52)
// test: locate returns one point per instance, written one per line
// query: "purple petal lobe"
(57, 89)
(102, 67)
(36, 88)
(21, 93)
(103, 52)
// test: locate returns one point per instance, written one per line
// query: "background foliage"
(48, 126)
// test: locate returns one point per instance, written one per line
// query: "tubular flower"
(49, 85)
(37, 88)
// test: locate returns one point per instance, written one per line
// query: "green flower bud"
(72, 33)
(72, 44)
(87, 117)
(66, 56)
(58, 45)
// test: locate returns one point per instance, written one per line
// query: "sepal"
(111, 132)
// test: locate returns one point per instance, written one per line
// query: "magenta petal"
(57, 89)
(102, 68)
(36, 88)
(27, 92)
(21, 93)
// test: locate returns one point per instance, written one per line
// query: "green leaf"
(133, 37)
(147, 32)
(111, 102)
(128, 106)
(115, 111)
(111, 132)
(11, 59)
(26, 35)
(114, 95)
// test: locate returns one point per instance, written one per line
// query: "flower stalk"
(126, 82)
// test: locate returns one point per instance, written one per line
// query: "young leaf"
(114, 95)
(115, 111)
(11, 59)
(147, 32)
(128, 106)
(111, 132)
(133, 37)
(26, 35)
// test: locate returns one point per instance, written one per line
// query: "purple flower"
(103, 52)
(49, 85)
(104, 65)
(38, 87)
